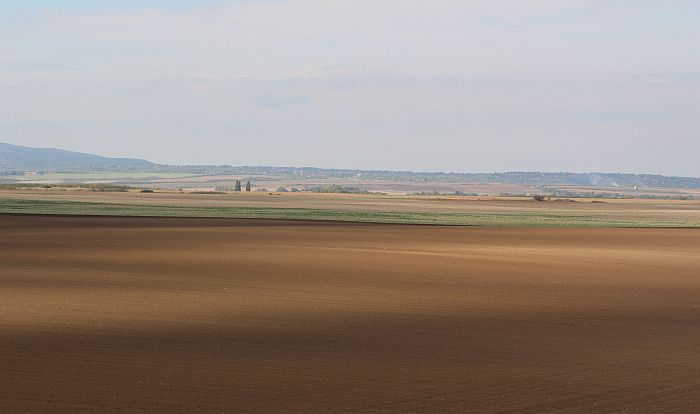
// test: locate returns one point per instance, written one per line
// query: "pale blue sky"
(458, 85)
(102, 5)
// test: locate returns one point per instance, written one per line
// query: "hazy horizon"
(462, 86)
(373, 169)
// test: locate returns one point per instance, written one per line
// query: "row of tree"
(237, 187)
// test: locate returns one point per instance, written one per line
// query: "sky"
(439, 85)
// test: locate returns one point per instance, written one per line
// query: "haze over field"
(25, 164)
(445, 85)
(335, 206)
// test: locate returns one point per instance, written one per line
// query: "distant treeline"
(333, 188)
(516, 177)
(438, 193)
(602, 194)
(14, 160)
(530, 178)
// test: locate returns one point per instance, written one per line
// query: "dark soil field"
(110, 314)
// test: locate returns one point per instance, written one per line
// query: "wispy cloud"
(443, 84)
(278, 102)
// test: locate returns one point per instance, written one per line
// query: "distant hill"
(18, 158)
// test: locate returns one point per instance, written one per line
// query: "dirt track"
(197, 315)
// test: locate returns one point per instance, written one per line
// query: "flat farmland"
(445, 210)
(135, 314)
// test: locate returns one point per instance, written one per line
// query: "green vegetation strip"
(528, 218)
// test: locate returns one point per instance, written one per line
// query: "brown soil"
(203, 315)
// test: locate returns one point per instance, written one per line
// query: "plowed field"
(115, 314)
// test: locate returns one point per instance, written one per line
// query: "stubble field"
(116, 314)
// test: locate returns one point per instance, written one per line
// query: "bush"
(538, 197)
(334, 188)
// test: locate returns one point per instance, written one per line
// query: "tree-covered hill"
(20, 159)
